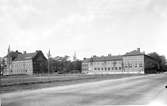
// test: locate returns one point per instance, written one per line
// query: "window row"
(109, 68)
(19, 71)
(106, 62)
(130, 65)
(19, 65)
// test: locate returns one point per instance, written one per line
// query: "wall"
(40, 64)
(103, 67)
(133, 64)
(85, 67)
(22, 67)
(129, 64)
(151, 65)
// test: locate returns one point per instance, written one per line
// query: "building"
(1, 65)
(132, 62)
(25, 63)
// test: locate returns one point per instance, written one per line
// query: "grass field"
(24, 82)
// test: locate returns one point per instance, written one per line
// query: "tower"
(9, 60)
(9, 49)
(49, 56)
(74, 57)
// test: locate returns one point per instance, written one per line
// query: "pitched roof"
(133, 53)
(12, 54)
(27, 56)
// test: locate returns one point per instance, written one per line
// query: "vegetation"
(64, 65)
(23, 82)
(161, 60)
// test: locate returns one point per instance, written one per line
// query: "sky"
(87, 27)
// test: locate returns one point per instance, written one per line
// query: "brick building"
(132, 62)
(25, 63)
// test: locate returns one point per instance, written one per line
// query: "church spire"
(9, 49)
(74, 57)
(9, 60)
(49, 54)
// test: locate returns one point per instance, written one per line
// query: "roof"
(27, 56)
(13, 54)
(103, 58)
(134, 53)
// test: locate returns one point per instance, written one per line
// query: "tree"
(60, 64)
(161, 60)
(163, 63)
(156, 56)
(64, 65)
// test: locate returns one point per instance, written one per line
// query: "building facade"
(132, 62)
(1, 65)
(25, 63)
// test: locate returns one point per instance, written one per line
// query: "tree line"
(62, 65)
(161, 59)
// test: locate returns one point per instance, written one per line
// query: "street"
(138, 90)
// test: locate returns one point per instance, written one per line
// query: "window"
(108, 68)
(130, 65)
(140, 65)
(94, 68)
(101, 68)
(114, 63)
(112, 68)
(135, 65)
(115, 68)
(105, 68)
(120, 68)
(98, 68)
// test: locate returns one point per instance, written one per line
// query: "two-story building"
(132, 62)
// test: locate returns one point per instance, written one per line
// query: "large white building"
(132, 62)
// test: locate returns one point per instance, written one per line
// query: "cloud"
(82, 24)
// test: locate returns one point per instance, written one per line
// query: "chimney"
(138, 49)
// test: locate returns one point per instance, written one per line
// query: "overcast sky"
(87, 27)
